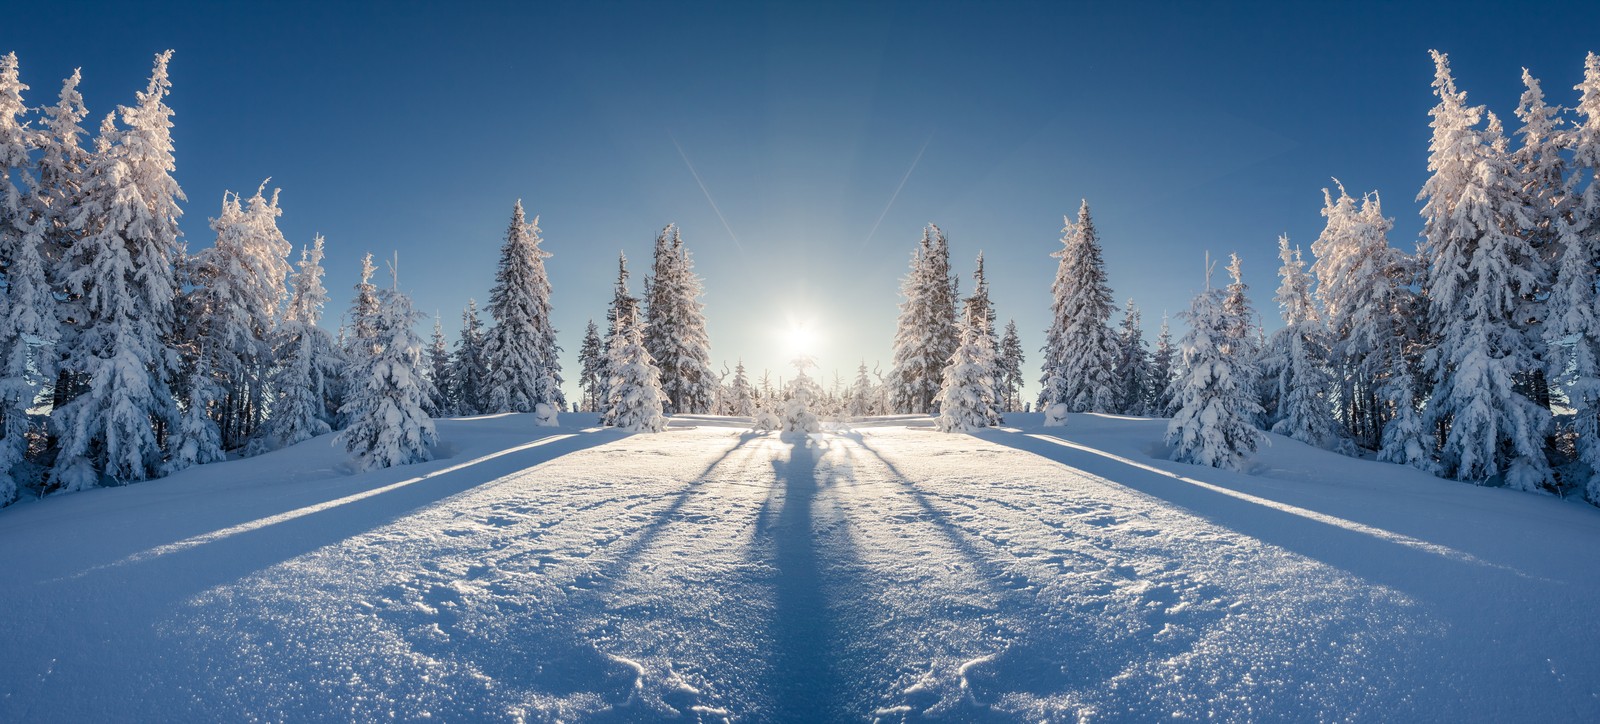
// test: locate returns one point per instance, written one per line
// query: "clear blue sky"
(412, 127)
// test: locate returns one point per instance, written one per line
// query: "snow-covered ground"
(887, 572)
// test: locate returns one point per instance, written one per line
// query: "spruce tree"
(122, 271)
(1214, 422)
(741, 398)
(388, 426)
(591, 363)
(1478, 273)
(1080, 349)
(307, 360)
(520, 350)
(1572, 328)
(1009, 369)
(442, 402)
(198, 439)
(468, 369)
(1295, 361)
(675, 330)
(967, 399)
(926, 333)
(634, 398)
(28, 330)
(799, 411)
(1132, 371)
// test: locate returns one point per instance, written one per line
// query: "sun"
(801, 338)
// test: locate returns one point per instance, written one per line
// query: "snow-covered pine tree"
(388, 426)
(622, 304)
(1572, 328)
(238, 287)
(308, 361)
(1163, 371)
(520, 350)
(591, 363)
(741, 398)
(675, 330)
(442, 402)
(1295, 361)
(1132, 372)
(1478, 273)
(122, 271)
(468, 370)
(1542, 191)
(1215, 412)
(978, 305)
(1008, 370)
(634, 397)
(799, 413)
(28, 329)
(967, 399)
(1080, 350)
(62, 165)
(1244, 333)
(199, 440)
(927, 331)
(863, 394)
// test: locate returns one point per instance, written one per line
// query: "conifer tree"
(633, 395)
(58, 199)
(198, 439)
(1295, 361)
(675, 330)
(741, 398)
(520, 350)
(1478, 273)
(121, 269)
(1080, 349)
(1132, 371)
(926, 333)
(1009, 370)
(1572, 329)
(591, 362)
(967, 399)
(468, 370)
(28, 328)
(1540, 188)
(799, 411)
(442, 402)
(863, 394)
(388, 426)
(1163, 372)
(1214, 420)
(308, 361)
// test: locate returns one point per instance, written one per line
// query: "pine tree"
(591, 361)
(1540, 188)
(633, 395)
(468, 370)
(238, 289)
(307, 360)
(927, 331)
(675, 331)
(388, 426)
(62, 166)
(967, 399)
(442, 402)
(1132, 371)
(121, 269)
(1080, 350)
(863, 394)
(1163, 374)
(28, 330)
(1478, 273)
(521, 351)
(1244, 334)
(1572, 329)
(741, 398)
(799, 411)
(1009, 370)
(1215, 412)
(199, 440)
(1295, 361)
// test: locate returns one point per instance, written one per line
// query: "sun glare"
(801, 338)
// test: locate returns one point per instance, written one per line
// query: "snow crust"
(878, 571)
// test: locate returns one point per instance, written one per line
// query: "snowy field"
(885, 573)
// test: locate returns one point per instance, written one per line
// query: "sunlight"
(801, 337)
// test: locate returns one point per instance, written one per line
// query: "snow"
(879, 571)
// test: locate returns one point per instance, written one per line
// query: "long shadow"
(1388, 562)
(806, 688)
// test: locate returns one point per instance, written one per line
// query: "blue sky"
(412, 128)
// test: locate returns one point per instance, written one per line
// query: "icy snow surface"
(884, 572)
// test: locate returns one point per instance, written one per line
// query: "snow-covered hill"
(888, 571)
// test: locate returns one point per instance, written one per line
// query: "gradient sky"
(412, 128)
